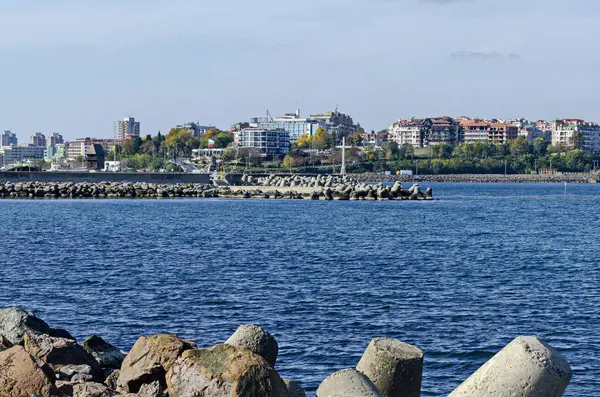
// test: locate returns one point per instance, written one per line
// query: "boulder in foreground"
(150, 359)
(21, 376)
(224, 371)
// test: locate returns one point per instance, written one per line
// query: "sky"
(74, 68)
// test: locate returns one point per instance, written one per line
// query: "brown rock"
(224, 371)
(150, 359)
(20, 376)
(60, 352)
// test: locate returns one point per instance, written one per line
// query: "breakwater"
(38, 360)
(474, 178)
(329, 188)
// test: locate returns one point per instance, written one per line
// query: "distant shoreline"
(475, 178)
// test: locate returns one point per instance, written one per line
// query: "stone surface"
(396, 368)
(294, 389)
(224, 371)
(526, 367)
(68, 371)
(111, 379)
(15, 322)
(60, 352)
(150, 359)
(107, 355)
(4, 343)
(20, 376)
(256, 339)
(347, 383)
(154, 389)
(91, 389)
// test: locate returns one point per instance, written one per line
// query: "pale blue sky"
(73, 67)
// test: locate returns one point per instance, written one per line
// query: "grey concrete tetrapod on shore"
(347, 383)
(256, 339)
(396, 368)
(526, 367)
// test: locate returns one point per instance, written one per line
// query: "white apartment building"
(127, 127)
(565, 132)
(407, 132)
(267, 142)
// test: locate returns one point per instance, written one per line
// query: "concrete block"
(396, 368)
(347, 383)
(526, 367)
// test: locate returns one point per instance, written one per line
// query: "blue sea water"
(459, 277)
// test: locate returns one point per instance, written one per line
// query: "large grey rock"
(526, 367)
(149, 360)
(69, 371)
(154, 389)
(224, 371)
(20, 375)
(60, 352)
(107, 355)
(347, 383)
(15, 322)
(396, 368)
(259, 341)
(91, 389)
(294, 389)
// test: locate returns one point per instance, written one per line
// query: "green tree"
(322, 140)
(392, 150)
(519, 146)
(540, 146)
(128, 147)
(356, 139)
(149, 147)
(179, 141)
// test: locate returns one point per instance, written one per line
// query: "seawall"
(49, 176)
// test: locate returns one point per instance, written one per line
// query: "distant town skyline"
(73, 73)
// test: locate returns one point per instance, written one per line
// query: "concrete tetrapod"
(258, 340)
(526, 367)
(396, 368)
(347, 383)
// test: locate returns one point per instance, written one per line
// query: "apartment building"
(268, 142)
(126, 128)
(37, 139)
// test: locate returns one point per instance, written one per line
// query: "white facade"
(268, 142)
(565, 132)
(19, 154)
(128, 126)
(406, 133)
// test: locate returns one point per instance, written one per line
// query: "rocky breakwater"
(273, 187)
(37, 360)
(474, 178)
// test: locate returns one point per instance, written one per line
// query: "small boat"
(592, 180)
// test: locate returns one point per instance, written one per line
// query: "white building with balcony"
(275, 142)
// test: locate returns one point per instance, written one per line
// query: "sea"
(459, 276)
